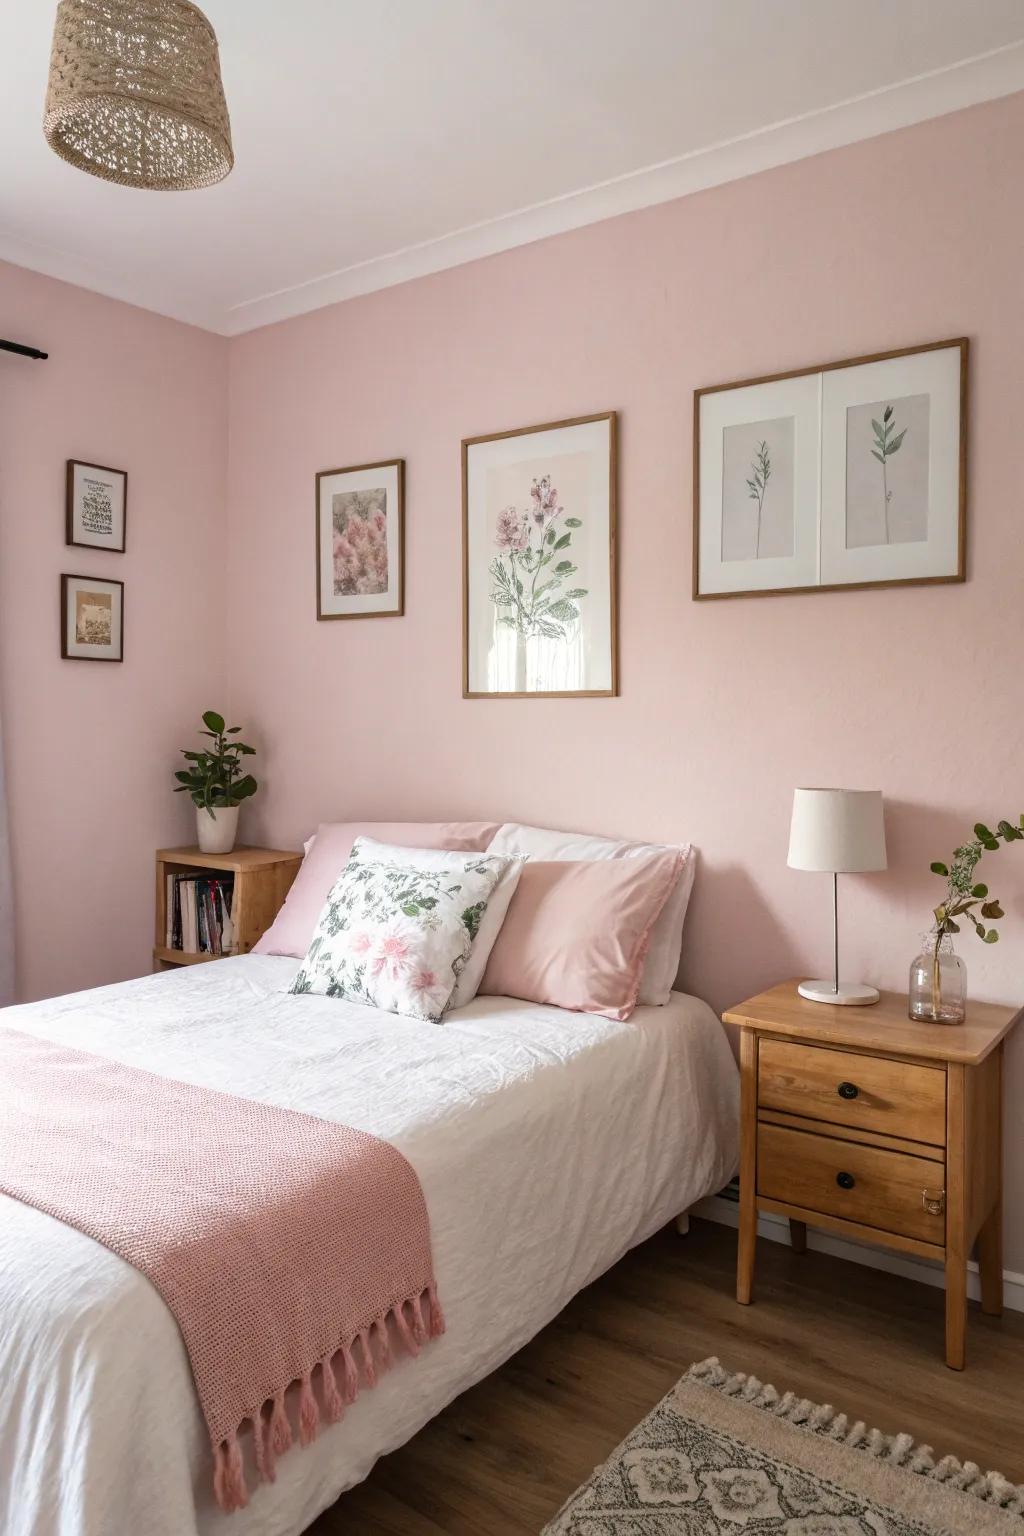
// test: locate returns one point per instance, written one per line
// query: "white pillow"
(396, 936)
(663, 955)
(472, 973)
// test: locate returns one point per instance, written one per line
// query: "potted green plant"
(215, 781)
(938, 976)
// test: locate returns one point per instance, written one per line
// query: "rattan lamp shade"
(135, 94)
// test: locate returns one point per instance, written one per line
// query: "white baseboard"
(776, 1230)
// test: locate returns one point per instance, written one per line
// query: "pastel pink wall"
(724, 706)
(90, 747)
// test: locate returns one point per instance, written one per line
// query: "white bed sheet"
(547, 1143)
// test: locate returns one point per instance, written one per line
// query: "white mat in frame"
(845, 474)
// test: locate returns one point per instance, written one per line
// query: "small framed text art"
(539, 613)
(91, 619)
(850, 474)
(360, 541)
(96, 506)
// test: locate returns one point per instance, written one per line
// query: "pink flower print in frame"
(533, 590)
(360, 534)
(513, 529)
(360, 552)
(538, 550)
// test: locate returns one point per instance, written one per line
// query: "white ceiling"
(379, 139)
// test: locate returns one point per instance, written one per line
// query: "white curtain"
(6, 899)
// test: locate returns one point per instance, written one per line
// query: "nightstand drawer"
(872, 1093)
(869, 1185)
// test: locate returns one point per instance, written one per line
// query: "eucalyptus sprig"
(885, 447)
(964, 897)
(214, 777)
(761, 473)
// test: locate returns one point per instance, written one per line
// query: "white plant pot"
(217, 832)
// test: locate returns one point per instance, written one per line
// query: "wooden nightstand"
(262, 879)
(864, 1123)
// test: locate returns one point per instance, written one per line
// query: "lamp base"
(853, 994)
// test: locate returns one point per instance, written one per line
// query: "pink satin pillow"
(576, 933)
(292, 929)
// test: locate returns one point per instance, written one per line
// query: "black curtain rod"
(16, 346)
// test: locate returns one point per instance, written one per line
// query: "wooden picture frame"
(377, 490)
(76, 641)
(93, 498)
(594, 636)
(933, 552)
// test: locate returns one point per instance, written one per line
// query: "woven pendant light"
(135, 94)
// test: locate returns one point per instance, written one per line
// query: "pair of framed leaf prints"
(844, 475)
(851, 474)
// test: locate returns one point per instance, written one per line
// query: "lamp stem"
(835, 925)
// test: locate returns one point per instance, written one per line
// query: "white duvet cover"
(547, 1144)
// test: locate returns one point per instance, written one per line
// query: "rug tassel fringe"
(899, 1450)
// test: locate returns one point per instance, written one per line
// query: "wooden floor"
(502, 1458)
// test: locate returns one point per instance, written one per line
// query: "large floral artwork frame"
(372, 567)
(878, 475)
(539, 589)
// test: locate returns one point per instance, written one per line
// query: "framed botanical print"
(893, 468)
(360, 541)
(96, 506)
(758, 487)
(849, 474)
(91, 619)
(539, 602)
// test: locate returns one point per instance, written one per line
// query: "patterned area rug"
(725, 1455)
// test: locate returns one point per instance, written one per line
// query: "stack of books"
(199, 914)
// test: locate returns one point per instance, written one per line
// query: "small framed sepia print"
(850, 474)
(360, 541)
(91, 619)
(96, 506)
(539, 611)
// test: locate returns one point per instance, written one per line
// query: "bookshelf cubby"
(262, 879)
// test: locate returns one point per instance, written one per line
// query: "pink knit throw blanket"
(282, 1244)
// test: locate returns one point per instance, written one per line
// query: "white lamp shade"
(838, 831)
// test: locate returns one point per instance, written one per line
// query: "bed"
(547, 1144)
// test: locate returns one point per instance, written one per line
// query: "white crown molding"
(965, 84)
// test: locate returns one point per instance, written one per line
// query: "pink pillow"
(576, 933)
(293, 927)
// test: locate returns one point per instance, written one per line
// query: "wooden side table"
(864, 1123)
(262, 880)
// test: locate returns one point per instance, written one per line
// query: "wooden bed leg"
(683, 1224)
(798, 1235)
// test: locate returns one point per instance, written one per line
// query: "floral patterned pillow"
(397, 938)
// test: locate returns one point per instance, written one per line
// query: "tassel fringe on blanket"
(236, 1207)
(324, 1392)
(898, 1450)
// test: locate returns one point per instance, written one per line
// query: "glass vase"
(938, 982)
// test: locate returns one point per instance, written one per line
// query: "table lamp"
(836, 832)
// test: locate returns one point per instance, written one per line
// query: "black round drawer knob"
(845, 1180)
(848, 1090)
